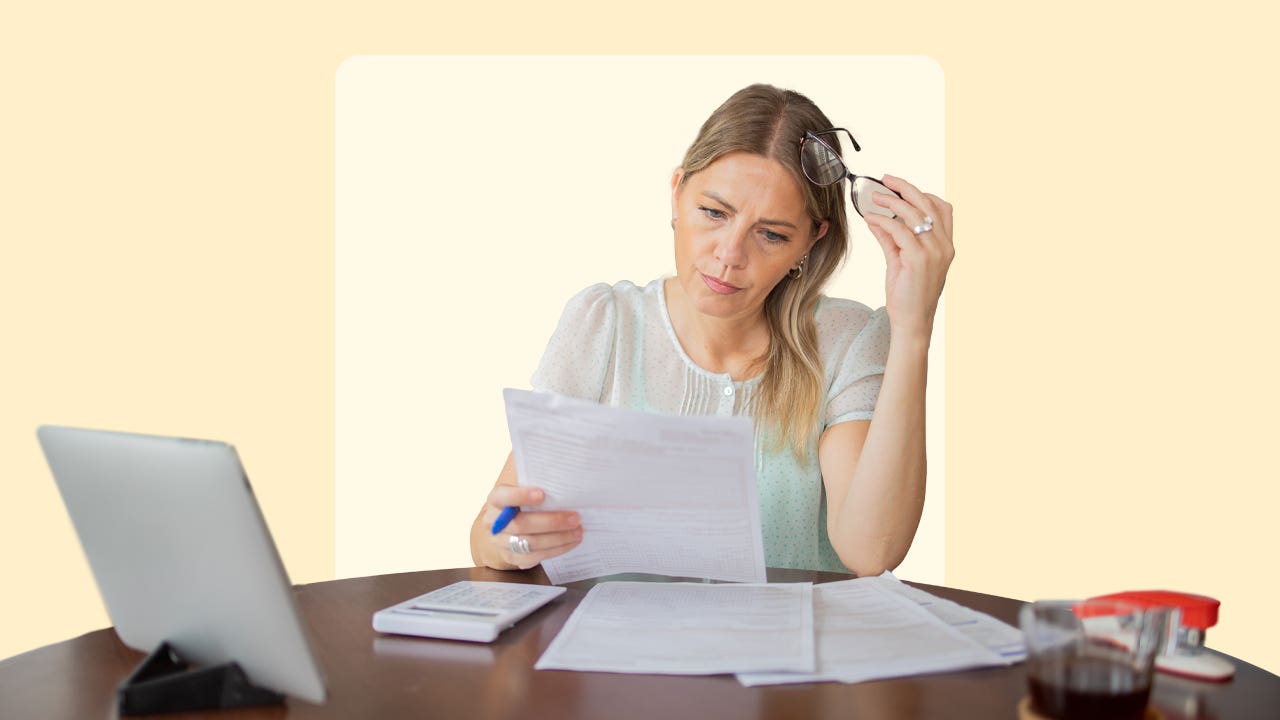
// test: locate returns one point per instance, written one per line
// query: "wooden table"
(375, 676)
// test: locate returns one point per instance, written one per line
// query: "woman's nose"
(731, 247)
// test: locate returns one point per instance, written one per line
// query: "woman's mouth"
(718, 287)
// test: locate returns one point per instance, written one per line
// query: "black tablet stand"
(163, 684)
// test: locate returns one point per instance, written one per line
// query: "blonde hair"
(770, 122)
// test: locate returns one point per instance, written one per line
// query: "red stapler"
(1184, 652)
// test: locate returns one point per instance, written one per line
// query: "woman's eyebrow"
(762, 221)
(720, 200)
(783, 223)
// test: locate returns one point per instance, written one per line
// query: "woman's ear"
(822, 231)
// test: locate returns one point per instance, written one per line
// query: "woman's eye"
(774, 237)
(712, 213)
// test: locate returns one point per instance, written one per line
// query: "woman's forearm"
(873, 525)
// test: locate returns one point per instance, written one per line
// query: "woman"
(743, 329)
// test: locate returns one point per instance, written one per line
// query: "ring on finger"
(518, 545)
(925, 225)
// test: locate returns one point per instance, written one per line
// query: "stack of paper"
(998, 637)
(876, 628)
(850, 631)
(687, 629)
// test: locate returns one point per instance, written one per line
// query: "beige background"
(459, 237)
(166, 220)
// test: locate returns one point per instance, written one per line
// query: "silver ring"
(928, 220)
(926, 227)
(519, 545)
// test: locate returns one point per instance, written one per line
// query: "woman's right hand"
(549, 533)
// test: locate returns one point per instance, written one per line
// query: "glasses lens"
(863, 187)
(820, 162)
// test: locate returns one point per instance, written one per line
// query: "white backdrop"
(475, 195)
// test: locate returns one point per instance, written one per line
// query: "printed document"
(687, 629)
(998, 637)
(867, 631)
(664, 494)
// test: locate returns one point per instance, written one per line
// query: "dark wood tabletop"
(380, 676)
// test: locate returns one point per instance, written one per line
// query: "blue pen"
(504, 518)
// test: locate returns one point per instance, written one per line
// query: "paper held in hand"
(664, 494)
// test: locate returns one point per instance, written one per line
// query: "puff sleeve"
(854, 343)
(580, 351)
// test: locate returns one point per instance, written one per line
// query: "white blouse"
(616, 345)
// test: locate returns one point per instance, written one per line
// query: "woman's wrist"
(910, 338)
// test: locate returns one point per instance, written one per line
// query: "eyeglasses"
(820, 159)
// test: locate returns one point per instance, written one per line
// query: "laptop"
(181, 553)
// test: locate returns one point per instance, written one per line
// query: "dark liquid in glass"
(1088, 688)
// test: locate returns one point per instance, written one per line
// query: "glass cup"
(1091, 659)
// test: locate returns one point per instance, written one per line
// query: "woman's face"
(740, 226)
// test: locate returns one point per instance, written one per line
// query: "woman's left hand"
(917, 264)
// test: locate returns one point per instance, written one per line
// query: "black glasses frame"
(860, 186)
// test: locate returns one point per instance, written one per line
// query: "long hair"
(770, 122)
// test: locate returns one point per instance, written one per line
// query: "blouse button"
(728, 390)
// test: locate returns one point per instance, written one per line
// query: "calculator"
(468, 610)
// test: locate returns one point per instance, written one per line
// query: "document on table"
(687, 629)
(866, 630)
(665, 494)
(998, 637)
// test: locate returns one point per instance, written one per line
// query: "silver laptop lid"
(181, 553)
